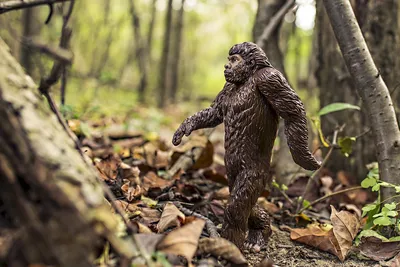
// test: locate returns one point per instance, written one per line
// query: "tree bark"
(176, 53)
(371, 87)
(268, 38)
(28, 30)
(379, 22)
(140, 52)
(162, 84)
(48, 190)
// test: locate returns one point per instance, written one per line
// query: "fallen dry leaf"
(130, 173)
(338, 240)
(183, 241)
(268, 206)
(196, 141)
(127, 207)
(222, 193)
(378, 250)
(108, 167)
(220, 247)
(141, 228)
(151, 180)
(170, 217)
(148, 241)
(316, 237)
(130, 191)
(149, 215)
(345, 229)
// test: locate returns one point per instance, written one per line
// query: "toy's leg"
(243, 197)
(259, 229)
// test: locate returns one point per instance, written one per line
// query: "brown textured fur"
(253, 97)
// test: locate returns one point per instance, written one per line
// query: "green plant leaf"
(346, 145)
(376, 187)
(391, 206)
(148, 201)
(275, 184)
(284, 187)
(368, 208)
(368, 182)
(336, 107)
(385, 221)
(392, 213)
(397, 189)
(306, 203)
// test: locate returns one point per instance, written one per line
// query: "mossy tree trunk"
(51, 194)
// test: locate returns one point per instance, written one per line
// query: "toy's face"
(236, 70)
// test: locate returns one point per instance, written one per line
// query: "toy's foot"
(255, 241)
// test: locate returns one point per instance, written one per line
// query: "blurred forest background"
(152, 62)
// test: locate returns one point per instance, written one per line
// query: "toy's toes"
(252, 247)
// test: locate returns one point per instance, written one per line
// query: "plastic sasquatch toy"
(253, 97)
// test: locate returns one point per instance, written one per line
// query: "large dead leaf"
(376, 249)
(345, 229)
(148, 241)
(171, 217)
(183, 241)
(220, 247)
(149, 215)
(338, 240)
(317, 237)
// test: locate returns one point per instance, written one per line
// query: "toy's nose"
(227, 66)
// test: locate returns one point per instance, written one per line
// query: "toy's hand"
(184, 129)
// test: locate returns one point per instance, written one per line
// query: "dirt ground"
(285, 253)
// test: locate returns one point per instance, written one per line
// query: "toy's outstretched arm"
(206, 118)
(288, 105)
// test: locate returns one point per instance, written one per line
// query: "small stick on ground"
(328, 196)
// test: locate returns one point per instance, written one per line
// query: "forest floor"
(162, 187)
(284, 252)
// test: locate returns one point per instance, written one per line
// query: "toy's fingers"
(176, 140)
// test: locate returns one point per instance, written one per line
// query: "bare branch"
(274, 22)
(58, 53)
(20, 4)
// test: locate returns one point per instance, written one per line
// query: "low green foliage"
(379, 213)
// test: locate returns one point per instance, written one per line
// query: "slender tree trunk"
(140, 52)
(162, 84)
(371, 87)
(379, 21)
(176, 53)
(150, 34)
(283, 163)
(28, 25)
(48, 190)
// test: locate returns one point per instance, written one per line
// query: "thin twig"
(328, 155)
(328, 196)
(274, 22)
(20, 4)
(210, 226)
(58, 53)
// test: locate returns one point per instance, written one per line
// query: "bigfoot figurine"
(253, 97)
